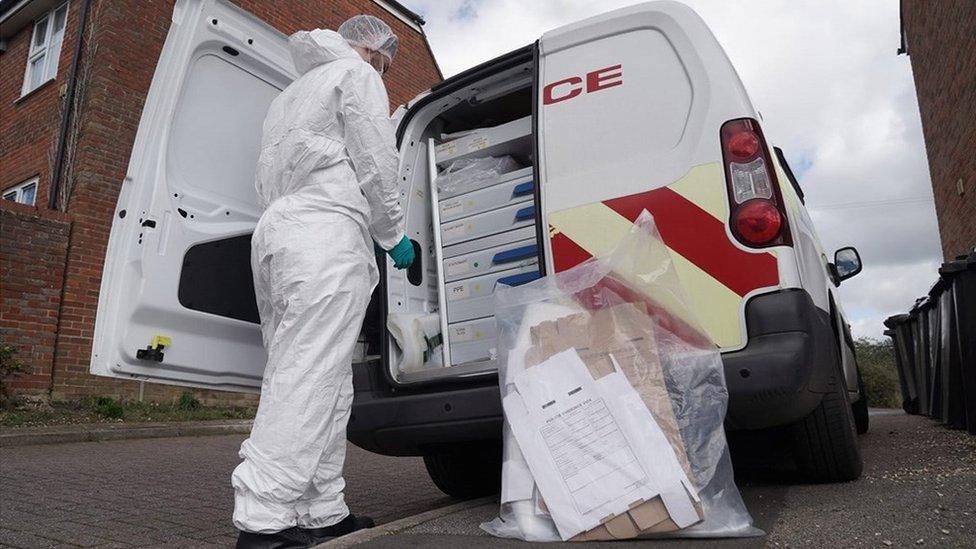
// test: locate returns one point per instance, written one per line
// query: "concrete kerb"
(397, 526)
(100, 432)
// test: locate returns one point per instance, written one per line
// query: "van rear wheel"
(468, 471)
(825, 442)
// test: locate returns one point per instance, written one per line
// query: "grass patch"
(109, 410)
(876, 360)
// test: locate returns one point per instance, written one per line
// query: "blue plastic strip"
(524, 252)
(523, 188)
(519, 279)
(525, 213)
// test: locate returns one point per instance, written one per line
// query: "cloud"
(832, 93)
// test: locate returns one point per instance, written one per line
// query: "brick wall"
(127, 37)
(942, 46)
(33, 244)
(29, 124)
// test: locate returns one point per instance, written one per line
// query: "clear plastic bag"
(624, 315)
(473, 173)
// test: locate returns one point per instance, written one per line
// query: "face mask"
(379, 62)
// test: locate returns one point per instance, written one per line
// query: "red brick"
(941, 40)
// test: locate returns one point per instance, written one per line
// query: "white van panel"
(207, 138)
(653, 81)
(630, 109)
(190, 182)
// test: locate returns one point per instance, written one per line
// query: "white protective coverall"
(327, 177)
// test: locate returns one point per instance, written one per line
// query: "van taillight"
(757, 222)
(758, 217)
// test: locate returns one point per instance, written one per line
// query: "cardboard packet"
(624, 331)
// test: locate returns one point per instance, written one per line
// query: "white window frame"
(16, 193)
(48, 50)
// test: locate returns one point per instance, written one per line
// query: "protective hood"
(309, 49)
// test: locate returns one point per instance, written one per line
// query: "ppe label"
(457, 292)
(457, 266)
(452, 207)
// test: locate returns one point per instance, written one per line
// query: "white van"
(635, 109)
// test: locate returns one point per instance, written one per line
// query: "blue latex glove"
(402, 254)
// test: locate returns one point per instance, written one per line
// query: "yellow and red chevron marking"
(690, 215)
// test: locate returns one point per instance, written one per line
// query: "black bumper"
(791, 360)
(777, 379)
(410, 424)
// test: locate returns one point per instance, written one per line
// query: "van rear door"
(630, 107)
(176, 303)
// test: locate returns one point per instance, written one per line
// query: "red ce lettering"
(568, 88)
(549, 92)
(604, 78)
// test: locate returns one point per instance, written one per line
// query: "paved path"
(166, 492)
(919, 484)
(918, 490)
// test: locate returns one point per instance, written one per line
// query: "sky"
(833, 94)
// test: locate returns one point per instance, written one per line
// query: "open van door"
(177, 303)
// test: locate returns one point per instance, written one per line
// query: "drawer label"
(455, 230)
(478, 143)
(457, 266)
(460, 334)
(457, 292)
(452, 207)
(449, 149)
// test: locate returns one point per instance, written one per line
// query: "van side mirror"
(847, 263)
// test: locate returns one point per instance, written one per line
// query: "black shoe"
(345, 526)
(292, 538)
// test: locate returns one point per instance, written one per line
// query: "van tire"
(862, 420)
(825, 442)
(468, 472)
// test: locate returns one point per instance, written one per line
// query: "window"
(45, 49)
(24, 193)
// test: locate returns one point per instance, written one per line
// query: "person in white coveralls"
(326, 177)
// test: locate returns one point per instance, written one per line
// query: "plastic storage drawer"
(472, 297)
(472, 341)
(490, 198)
(472, 184)
(488, 223)
(511, 137)
(491, 260)
(492, 241)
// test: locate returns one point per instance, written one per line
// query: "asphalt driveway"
(918, 489)
(166, 492)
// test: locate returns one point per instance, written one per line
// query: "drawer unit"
(490, 198)
(488, 223)
(473, 340)
(510, 138)
(486, 235)
(471, 184)
(491, 260)
(472, 298)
